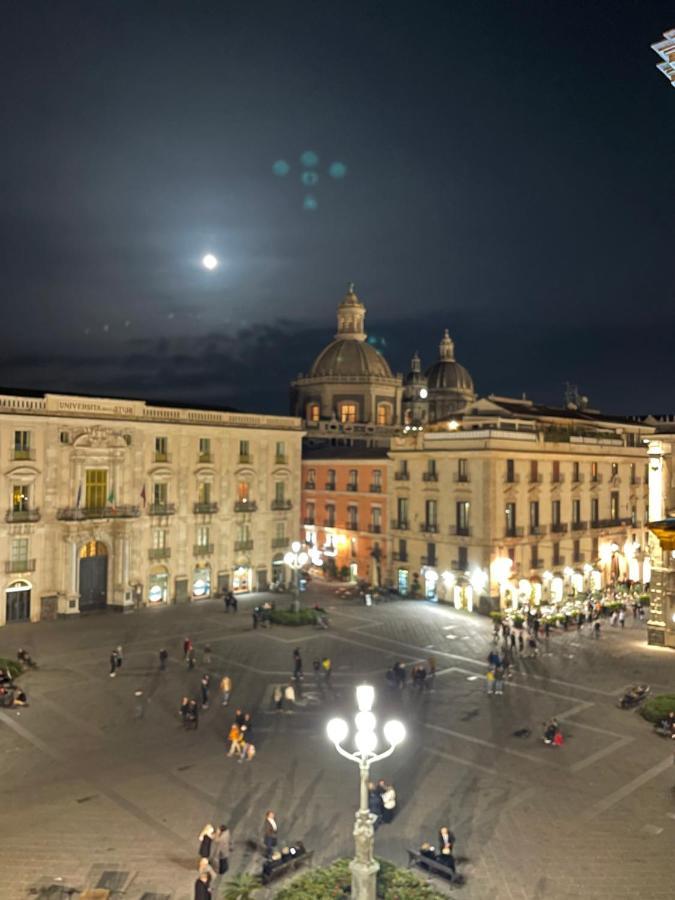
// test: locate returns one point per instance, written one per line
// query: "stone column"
(69, 602)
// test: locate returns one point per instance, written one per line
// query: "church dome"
(349, 358)
(447, 374)
(349, 355)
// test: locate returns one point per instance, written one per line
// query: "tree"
(243, 887)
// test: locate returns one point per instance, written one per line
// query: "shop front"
(242, 579)
(158, 585)
(201, 582)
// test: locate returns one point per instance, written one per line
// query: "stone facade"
(122, 503)
(510, 502)
(345, 509)
(661, 450)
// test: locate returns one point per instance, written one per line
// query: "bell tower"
(351, 315)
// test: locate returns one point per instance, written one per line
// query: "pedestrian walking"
(316, 665)
(297, 664)
(499, 680)
(614, 619)
(327, 667)
(204, 688)
(512, 640)
(255, 615)
(270, 832)
(278, 697)
(205, 839)
(191, 658)
(205, 868)
(490, 682)
(233, 602)
(532, 644)
(187, 646)
(226, 600)
(184, 703)
(521, 642)
(163, 656)
(207, 654)
(113, 663)
(388, 801)
(247, 725)
(289, 693)
(622, 618)
(236, 739)
(226, 689)
(220, 850)
(596, 629)
(120, 657)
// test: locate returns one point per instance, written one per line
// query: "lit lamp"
(295, 559)
(364, 867)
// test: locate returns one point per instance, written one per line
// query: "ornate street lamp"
(295, 559)
(364, 867)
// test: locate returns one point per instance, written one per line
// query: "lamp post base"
(364, 879)
(363, 867)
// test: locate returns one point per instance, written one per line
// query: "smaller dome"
(350, 358)
(449, 375)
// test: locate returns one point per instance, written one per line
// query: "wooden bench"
(294, 862)
(415, 858)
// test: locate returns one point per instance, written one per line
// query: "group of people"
(552, 733)
(666, 726)
(230, 601)
(381, 802)
(421, 676)
(214, 852)
(239, 737)
(262, 615)
(10, 694)
(444, 852)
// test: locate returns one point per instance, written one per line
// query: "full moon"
(209, 261)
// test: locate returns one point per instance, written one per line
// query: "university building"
(121, 503)
(661, 451)
(508, 502)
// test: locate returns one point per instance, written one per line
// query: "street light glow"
(394, 731)
(337, 730)
(366, 742)
(209, 261)
(365, 695)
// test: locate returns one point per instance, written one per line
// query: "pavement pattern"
(102, 786)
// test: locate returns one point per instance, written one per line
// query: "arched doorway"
(17, 598)
(93, 576)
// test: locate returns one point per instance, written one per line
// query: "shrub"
(518, 621)
(242, 887)
(12, 666)
(657, 708)
(497, 615)
(334, 882)
(289, 617)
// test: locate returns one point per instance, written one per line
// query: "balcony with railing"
(595, 480)
(18, 453)
(159, 553)
(429, 476)
(400, 557)
(461, 478)
(429, 560)
(329, 486)
(537, 530)
(534, 480)
(512, 479)
(577, 480)
(243, 545)
(399, 524)
(374, 528)
(329, 523)
(281, 504)
(459, 565)
(206, 457)
(280, 459)
(559, 527)
(309, 520)
(162, 509)
(460, 531)
(611, 523)
(558, 561)
(77, 514)
(22, 515)
(310, 485)
(536, 563)
(578, 526)
(402, 476)
(279, 543)
(161, 457)
(244, 459)
(202, 549)
(18, 566)
(515, 532)
(557, 479)
(429, 527)
(579, 558)
(375, 488)
(205, 508)
(352, 486)
(245, 506)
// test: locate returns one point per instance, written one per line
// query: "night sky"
(510, 176)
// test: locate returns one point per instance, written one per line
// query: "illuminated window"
(314, 412)
(614, 505)
(594, 471)
(383, 414)
(203, 536)
(205, 450)
(160, 494)
(280, 453)
(96, 488)
(348, 412)
(242, 491)
(159, 536)
(244, 452)
(20, 497)
(204, 492)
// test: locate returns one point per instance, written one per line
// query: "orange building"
(344, 509)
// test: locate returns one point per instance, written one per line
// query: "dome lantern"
(351, 315)
(447, 348)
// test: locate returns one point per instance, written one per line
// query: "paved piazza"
(95, 781)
